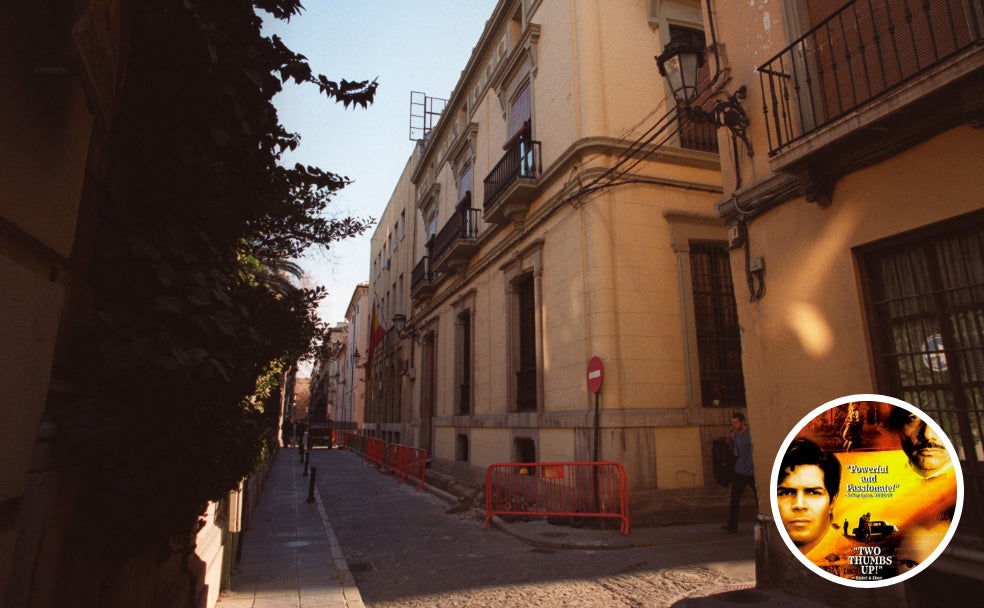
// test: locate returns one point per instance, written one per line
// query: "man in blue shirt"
(740, 440)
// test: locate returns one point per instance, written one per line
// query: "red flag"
(376, 334)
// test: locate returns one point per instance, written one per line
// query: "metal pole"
(307, 460)
(597, 440)
(314, 473)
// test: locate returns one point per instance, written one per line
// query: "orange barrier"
(564, 489)
(406, 461)
(375, 450)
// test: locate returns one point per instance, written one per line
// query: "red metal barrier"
(564, 489)
(375, 450)
(406, 461)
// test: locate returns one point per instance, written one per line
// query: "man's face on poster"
(804, 505)
(922, 445)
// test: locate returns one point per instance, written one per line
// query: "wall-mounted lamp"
(400, 325)
(680, 64)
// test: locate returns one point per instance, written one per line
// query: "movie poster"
(867, 490)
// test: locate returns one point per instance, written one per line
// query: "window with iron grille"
(722, 383)
(925, 299)
(464, 367)
(526, 374)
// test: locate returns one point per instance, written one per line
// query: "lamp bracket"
(727, 112)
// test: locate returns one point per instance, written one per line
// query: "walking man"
(740, 440)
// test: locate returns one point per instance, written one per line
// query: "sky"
(409, 45)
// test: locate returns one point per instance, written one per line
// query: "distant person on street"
(740, 440)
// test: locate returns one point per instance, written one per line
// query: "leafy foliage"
(194, 323)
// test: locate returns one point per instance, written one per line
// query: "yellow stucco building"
(859, 227)
(560, 210)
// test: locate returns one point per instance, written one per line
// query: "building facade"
(389, 367)
(859, 227)
(559, 210)
(349, 410)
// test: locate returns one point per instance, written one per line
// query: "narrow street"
(408, 548)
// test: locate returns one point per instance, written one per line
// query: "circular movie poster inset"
(866, 491)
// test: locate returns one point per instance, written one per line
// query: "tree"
(193, 326)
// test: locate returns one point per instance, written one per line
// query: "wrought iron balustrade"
(461, 226)
(421, 273)
(864, 50)
(521, 161)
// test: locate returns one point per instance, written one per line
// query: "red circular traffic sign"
(596, 374)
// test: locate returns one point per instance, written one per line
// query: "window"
(463, 371)
(526, 374)
(520, 114)
(467, 182)
(925, 300)
(461, 447)
(399, 294)
(524, 450)
(524, 368)
(722, 383)
(431, 226)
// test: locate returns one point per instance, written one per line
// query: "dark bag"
(724, 461)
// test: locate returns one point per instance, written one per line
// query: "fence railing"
(865, 49)
(561, 489)
(461, 226)
(408, 462)
(521, 160)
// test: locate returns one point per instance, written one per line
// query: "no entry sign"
(596, 374)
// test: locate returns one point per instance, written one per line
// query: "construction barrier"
(408, 462)
(562, 489)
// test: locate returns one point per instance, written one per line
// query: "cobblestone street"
(410, 549)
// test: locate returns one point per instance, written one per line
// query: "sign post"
(596, 377)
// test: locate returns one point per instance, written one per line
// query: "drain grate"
(360, 567)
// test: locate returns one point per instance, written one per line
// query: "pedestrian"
(740, 441)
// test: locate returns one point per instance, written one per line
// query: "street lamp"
(680, 64)
(400, 325)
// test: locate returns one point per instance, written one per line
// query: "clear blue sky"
(409, 45)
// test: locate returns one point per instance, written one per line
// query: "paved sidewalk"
(290, 556)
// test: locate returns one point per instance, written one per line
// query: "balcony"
(874, 76)
(422, 280)
(512, 186)
(457, 240)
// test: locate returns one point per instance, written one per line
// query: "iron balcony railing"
(462, 225)
(421, 274)
(521, 160)
(866, 49)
